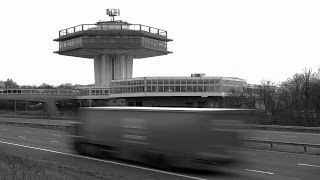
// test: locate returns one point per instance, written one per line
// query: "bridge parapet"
(59, 92)
(47, 96)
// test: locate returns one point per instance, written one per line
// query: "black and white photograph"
(160, 90)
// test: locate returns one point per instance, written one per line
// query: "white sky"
(249, 39)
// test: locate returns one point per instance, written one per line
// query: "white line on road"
(264, 172)
(22, 137)
(261, 138)
(54, 141)
(111, 162)
(57, 135)
(289, 136)
(300, 164)
(27, 131)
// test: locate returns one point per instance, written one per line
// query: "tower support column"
(117, 67)
(129, 66)
(123, 66)
(97, 70)
(112, 67)
(105, 70)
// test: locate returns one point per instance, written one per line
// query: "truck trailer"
(194, 138)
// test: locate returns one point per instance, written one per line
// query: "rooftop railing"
(106, 27)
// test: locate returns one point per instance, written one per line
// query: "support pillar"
(129, 66)
(90, 102)
(51, 108)
(97, 70)
(117, 68)
(105, 70)
(112, 67)
(123, 67)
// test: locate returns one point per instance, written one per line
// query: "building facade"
(113, 45)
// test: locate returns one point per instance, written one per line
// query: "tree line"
(295, 101)
(9, 83)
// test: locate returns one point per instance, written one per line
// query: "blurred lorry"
(183, 137)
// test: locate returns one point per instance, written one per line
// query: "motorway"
(296, 137)
(54, 146)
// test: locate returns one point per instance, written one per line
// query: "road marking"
(264, 172)
(27, 131)
(22, 137)
(111, 162)
(300, 164)
(57, 135)
(55, 141)
(263, 138)
(289, 136)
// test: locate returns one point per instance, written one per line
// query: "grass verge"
(13, 167)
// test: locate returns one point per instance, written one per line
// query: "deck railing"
(106, 27)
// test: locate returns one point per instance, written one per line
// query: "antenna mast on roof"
(113, 12)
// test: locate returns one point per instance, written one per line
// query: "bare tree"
(9, 83)
(66, 86)
(46, 86)
(307, 75)
(267, 95)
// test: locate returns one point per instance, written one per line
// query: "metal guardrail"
(272, 143)
(279, 127)
(39, 125)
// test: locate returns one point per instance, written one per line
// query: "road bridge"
(48, 97)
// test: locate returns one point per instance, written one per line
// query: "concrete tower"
(113, 45)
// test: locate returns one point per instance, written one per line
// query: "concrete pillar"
(117, 68)
(129, 66)
(90, 102)
(97, 70)
(123, 67)
(105, 70)
(51, 108)
(112, 67)
(109, 70)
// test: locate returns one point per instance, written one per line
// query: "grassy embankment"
(13, 167)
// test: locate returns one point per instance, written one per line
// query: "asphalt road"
(54, 146)
(297, 137)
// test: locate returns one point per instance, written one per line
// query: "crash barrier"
(241, 126)
(281, 128)
(40, 125)
(286, 146)
(40, 117)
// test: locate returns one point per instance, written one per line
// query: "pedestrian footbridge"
(47, 96)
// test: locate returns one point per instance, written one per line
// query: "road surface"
(54, 146)
(298, 137)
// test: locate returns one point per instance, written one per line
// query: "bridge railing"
(60, 92)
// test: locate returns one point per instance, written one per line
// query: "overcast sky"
(249, 39)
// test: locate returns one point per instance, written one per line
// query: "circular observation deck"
(112, 37)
